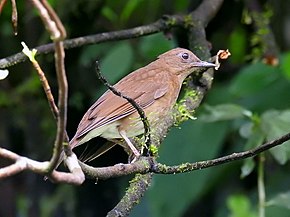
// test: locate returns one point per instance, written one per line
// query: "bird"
(155, 87)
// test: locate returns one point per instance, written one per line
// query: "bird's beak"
(203, 64)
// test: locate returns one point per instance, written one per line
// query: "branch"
(160, 25)
(57, 33)
(14, 16)
(2, 3)
(187, 167)
(206, 11)
(264, 33)
(20, 164)
(148, 164)
(138, 186)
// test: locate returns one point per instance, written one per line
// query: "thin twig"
(62, 104)
(47, 20)
(138, 108)
(57, 33)
(2, 3)
(14, 16)
(222, 160)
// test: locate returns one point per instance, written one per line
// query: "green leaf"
(223, 112)
(285, 64)
(187, 144)
(247, 167)
(117, 62)
(129, 8)
(92, 53)
(275, 124)
(238, 45)
(256, 138)
(281, 200)
(153, 45)
(252, 79)
(109, 14)
(240, 206)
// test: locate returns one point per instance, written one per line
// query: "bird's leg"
(129, 143)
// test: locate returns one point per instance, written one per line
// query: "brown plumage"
(154, 87)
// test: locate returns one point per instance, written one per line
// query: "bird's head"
(183, 62)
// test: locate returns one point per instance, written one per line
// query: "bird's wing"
(109, 107)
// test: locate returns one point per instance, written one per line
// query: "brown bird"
(154, 87)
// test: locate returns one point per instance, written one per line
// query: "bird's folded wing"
(109, 107)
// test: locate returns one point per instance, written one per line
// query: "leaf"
(252, 79)
(247, 167)
(109, 14)
(153, 45)
(187, 144)
(240, 206)
(129, 8)
(91, 53)
(275, 124)
(237, 45)
(285, 64)
(281, 200)
(117, 62)
(256, 138)
(223, 112)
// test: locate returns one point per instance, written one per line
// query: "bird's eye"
(185, 56)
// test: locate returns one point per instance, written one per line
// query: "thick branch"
(138, 186)
(206, 11)
(158, 26)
